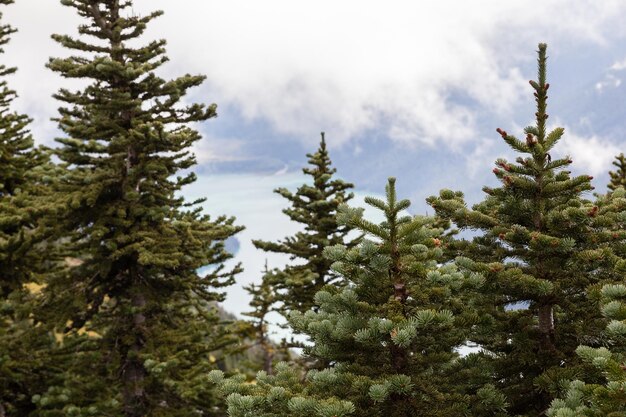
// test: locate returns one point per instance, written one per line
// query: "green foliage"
(314, 206)
(136, 312)
(618, 177)
(103, 311)
(541, 250)
(24, 172)
(264, 300)
(607, 399)
(276, 395)
(389, 336)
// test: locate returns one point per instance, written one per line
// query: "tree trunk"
(268, 358)
(399, 357)
(134, 373)
(546, 326)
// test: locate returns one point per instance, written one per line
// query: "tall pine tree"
(314, 206)
(537, 252)
(135, 313)
(23, 171)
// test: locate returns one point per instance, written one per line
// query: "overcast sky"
(404, 88)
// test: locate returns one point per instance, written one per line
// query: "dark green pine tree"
(537, 252)
(314, 206)
(23, 170)
(21, 174)
(136, 316)
(389, 335)
(618, 177)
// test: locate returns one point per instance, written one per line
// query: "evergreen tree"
(389, 335)
(609, 399)
(618, 177)
(21, 169)
(136, 316)
(264, 303)
(315, 208)
(22, 174)
(538, 253)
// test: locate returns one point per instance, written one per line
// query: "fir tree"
(21, 166)
(618, 177)
(537, 251)
(22, 175)
(609, 399)
(136, 315)
(264, 303)
(314, 206)
(389, 335)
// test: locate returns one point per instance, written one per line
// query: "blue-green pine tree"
(539, 252)
(608, 399)
(389, 336)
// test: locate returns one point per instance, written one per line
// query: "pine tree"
(264, 303)
(618, 177)
(21, 166)
(609, 399)
(136, 316)
(314, 206)
(22, 175)
(537, 252)
(389, 335)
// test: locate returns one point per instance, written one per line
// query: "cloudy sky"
(401, 88)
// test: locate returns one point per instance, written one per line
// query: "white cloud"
(619, 65)
(610, 80)
(482, 157)
(344, 66)
(352, 66)
(213, 149)
(590, 155)
(29, 50)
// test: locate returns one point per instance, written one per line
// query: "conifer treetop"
(314, 206)
(536, 229)
(17, 156)
(618, 177)
(126, 132)
(126, 147)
